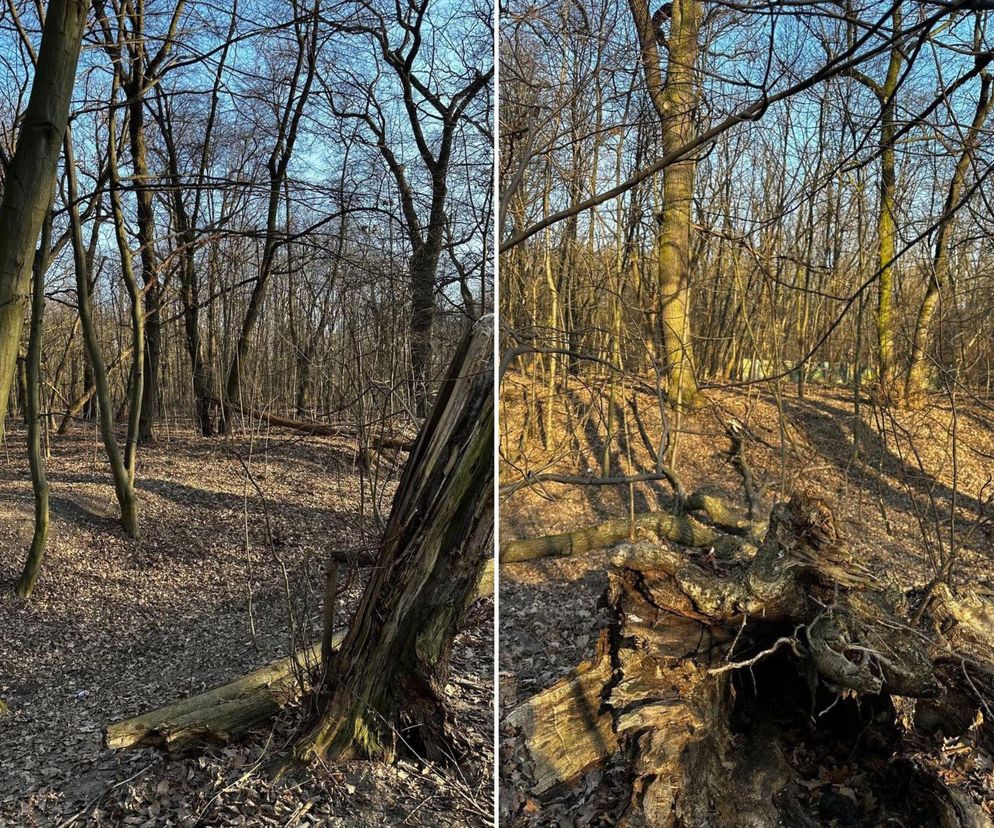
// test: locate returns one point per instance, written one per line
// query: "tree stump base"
(738, 693)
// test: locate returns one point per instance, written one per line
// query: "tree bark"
(30, 178)
(152, 287)
(386, 683)
(916, 379)
(84, 403)
(223, 712)
(674, 99)
(123, 479)
(279, 160)
(424, 263)
(39, 483)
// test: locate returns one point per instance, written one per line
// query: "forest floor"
(892, 500)
(117, 627)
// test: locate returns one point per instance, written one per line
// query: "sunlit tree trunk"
(886, 217)
(916, 380)
(278, 162)
(674, 99)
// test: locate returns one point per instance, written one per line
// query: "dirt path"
(117, 626)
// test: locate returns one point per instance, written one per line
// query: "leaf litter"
(117, 627)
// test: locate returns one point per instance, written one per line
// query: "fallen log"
(319, 429)
(723, 516)
(727, 688)
(384, 684)
(682, 529)
(219, 714)
(225, 712)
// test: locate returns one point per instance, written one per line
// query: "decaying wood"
(389, 675)
(565, 726)
(673, 688)
(223, 712)
(682, 527)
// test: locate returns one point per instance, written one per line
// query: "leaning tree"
(386, 676)
(29, 177)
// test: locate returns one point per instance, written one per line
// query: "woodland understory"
(117, 627)
(244, 337)
(650, 672)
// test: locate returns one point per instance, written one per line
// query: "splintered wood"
(661, 689)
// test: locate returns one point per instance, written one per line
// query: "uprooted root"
(746, 694)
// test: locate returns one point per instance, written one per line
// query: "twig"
(787, 640)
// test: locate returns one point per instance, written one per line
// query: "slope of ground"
(117, 627)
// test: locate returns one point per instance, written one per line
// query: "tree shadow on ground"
(884, 469)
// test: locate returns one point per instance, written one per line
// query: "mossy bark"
(29, 181)
(675, 98)
(683, 528)
(223, 712)
(887, 217)
(385, 687)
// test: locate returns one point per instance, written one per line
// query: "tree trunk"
(279, 159)
(675, 99)
(319, 429)
(134, 92)
(39, 483)
(123, 480)
(424, 263)
(19, 403)
(223, 712)
(85, 403)
(887, 220)
(712, 683)
(389, 675)
(916, 380)
(30, 178)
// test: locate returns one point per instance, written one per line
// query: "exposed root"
(713, 682)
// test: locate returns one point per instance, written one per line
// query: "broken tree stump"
(714, 685)
(385, 690)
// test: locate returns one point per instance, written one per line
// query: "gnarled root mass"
(713, 682)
